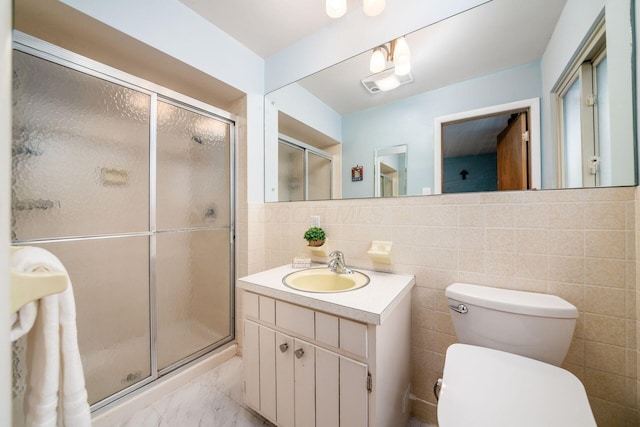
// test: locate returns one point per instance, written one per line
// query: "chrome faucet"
(337, 264)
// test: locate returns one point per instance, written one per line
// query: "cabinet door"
(305, 384)
(251, 362)
(284, 380)
(327, 389)
(354, 395)
(268, 372)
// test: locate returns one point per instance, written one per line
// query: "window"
(304, 172)
(582, 105)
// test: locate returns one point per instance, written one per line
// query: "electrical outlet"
(315, 220)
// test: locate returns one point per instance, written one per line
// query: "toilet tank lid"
(528, 303)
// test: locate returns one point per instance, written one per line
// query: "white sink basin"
(324, 280)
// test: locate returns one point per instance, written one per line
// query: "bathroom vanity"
(327, 359)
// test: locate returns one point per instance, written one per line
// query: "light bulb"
(336, 8)
(373, 7)
(378, 60)
(402, 57)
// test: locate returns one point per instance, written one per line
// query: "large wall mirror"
(554, 77)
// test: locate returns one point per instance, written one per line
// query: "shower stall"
(131, 186)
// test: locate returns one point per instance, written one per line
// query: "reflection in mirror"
(476, 59)
(470, 155)
(304, 171)
(390, 168)
(494, 146)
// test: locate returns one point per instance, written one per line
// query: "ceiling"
(266, 26)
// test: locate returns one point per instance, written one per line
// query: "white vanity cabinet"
(301, 384)
(307, 366)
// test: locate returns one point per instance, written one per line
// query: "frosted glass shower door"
(193, 293)
(193, 241)
(291, 173)
(80, 163)
(133, 192)
(319, 177)
(110, 280)
(80, 188)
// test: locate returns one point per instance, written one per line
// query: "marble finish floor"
(213, 399)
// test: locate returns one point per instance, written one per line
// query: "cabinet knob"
(284, 347)
(299, 353)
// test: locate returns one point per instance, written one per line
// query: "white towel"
(55, 369)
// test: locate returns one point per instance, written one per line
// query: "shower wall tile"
(578, 244)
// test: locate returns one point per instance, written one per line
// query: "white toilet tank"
(539, 326)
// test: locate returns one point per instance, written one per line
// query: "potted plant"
(315, 236)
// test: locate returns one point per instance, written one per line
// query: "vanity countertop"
(370, 304)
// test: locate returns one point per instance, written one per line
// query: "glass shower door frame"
(44, 50)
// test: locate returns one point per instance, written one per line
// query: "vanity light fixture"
(378, 60)
(396, 52)
(337, 8)
(402, 57)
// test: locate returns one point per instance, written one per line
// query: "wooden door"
(284, 380)
(513, 155)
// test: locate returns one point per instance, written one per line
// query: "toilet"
(505, 370)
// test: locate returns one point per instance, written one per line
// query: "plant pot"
(316, 242)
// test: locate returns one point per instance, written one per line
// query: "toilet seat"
(485, 387)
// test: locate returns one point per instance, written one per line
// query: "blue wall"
(410, 121)
(482, 173)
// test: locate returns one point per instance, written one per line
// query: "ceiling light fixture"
(337, 8)
(373, 7)
(397, 53)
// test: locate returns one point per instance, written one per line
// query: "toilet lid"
(485, 387)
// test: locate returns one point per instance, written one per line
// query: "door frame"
(532, 104)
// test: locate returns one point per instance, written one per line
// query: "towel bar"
(31, 286)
